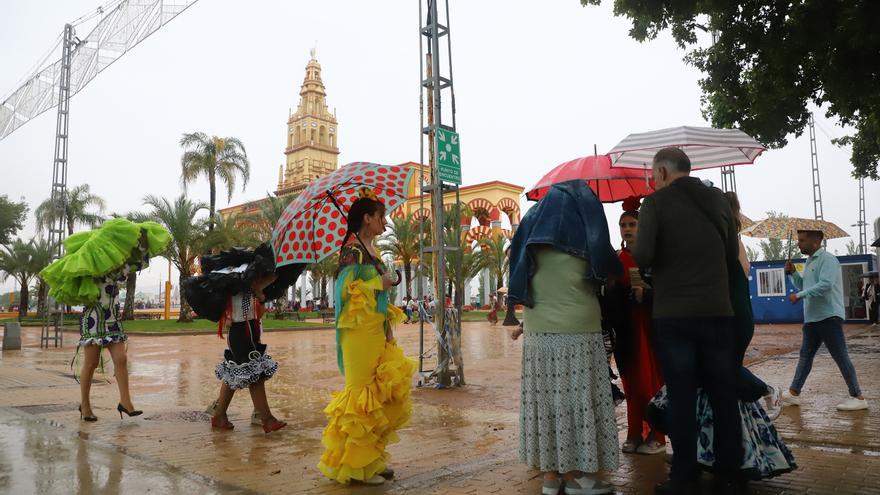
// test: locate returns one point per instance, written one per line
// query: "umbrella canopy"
(781, 228)
(705, 146)
(745, 221)
(313, 226)
(609, 184)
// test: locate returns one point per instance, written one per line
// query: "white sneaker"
(211, 409)
(773, 405)
(587, 486)
(375, 480)
(789, 399)
(255, 418)
(551, 487)
(652, 447)
(853, 404)
(629, 447)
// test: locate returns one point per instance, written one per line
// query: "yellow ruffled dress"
(363, 418)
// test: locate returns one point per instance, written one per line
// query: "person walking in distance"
(687, 237)
(821, 289)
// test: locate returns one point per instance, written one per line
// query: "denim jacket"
(571, 219)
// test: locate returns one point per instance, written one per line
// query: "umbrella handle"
(399, 278)
(788, 251)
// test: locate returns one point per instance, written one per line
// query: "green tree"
(852, 248)
(401, 241)
(12, 217)
(77, 210)
(187, 231)
(218, 159)
(494, 254)
(17, 261)
(771, 59)
(41, 256)
(233, 230)
(752, 254)
(322, 272)
(271, 210)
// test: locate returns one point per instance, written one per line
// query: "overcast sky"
(537, 83)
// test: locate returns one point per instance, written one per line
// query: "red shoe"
(273, 425)
(215, 423)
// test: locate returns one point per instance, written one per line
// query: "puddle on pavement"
(180, 417)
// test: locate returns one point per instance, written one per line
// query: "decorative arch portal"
(423, 213)
(481, 209)
(478, 233)
(398, 213)
(511, 209)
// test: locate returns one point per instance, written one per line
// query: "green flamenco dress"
(95, 262)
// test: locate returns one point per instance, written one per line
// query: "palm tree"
(232, 231)
(17, 261)
(401, 241)
(322, 272)
(494, 252)
(271, 210)
(77, 210)
(41, 257)
(215, 158)
(187, 237)
(461, 266)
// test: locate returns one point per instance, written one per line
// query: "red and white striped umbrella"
(706, 147)
(313, 226)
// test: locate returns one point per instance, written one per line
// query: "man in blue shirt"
(821, 289)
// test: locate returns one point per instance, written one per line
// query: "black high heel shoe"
(90, 419)
(122, 409)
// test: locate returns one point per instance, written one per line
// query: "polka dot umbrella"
(313, 226)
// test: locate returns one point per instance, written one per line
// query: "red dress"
(641, 376)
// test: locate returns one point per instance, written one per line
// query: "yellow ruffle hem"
(364, 417)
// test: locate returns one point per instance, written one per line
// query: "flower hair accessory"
(632, 203)
(368, 193)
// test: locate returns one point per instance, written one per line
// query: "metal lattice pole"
(58, 228)
(814, 161)
(728, 179)
(436, 86)
(863, 224)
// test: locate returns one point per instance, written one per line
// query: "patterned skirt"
(245, 362)
(567, 419)
(98, 325)
(765, 455)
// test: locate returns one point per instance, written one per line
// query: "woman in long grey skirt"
(559, 257)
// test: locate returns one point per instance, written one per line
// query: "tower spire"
(311, 133)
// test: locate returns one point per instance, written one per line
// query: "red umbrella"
(609, 184)
(313, 225)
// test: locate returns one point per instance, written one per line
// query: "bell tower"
(311, 149)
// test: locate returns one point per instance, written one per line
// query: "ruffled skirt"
(364, 417)
(765, 455)
(245, 362)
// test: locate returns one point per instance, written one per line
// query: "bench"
(289, 315)
(328, 316)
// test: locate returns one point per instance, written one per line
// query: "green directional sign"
(449, 156)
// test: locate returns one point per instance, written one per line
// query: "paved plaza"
(460, 441)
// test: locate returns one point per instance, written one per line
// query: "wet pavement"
(460, 441)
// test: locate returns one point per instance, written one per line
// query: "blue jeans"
(700, 352)
(829, 332)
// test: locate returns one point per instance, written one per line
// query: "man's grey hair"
(673, 159)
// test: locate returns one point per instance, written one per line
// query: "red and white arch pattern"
(511, 208)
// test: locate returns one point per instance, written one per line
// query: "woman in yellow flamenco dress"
(363, 418)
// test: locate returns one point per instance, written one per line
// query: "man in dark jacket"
(687, 237)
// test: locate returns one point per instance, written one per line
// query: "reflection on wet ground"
(459, 441)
